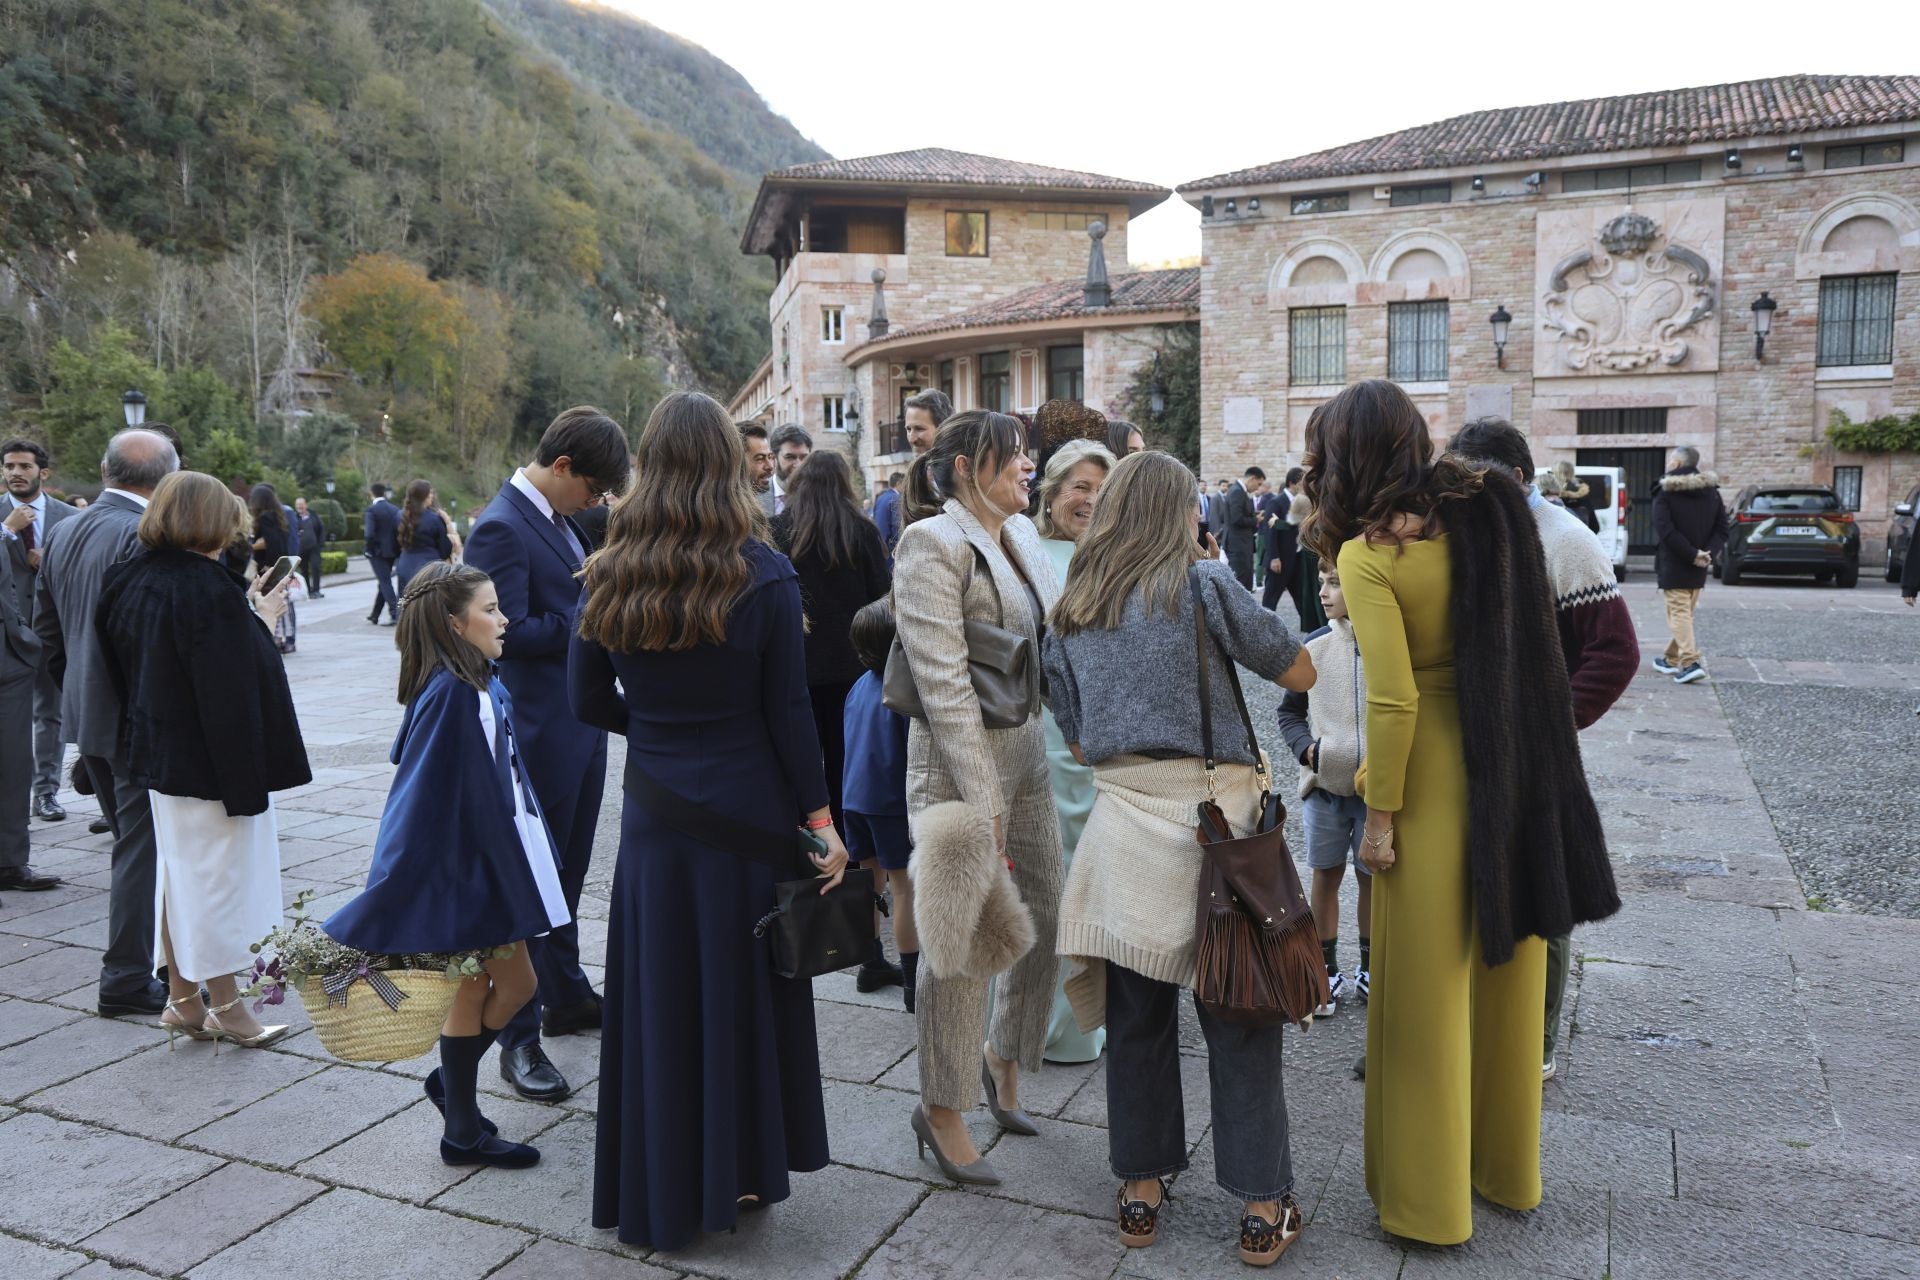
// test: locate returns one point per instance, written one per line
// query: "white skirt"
(217, 886)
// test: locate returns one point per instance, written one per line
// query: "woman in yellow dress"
(1436, 557)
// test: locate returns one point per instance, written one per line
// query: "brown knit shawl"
(1536, 851)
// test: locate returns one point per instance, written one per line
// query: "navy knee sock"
(460, 1075)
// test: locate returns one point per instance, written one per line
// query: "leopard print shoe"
(1138, 1219)
(1262, 1242)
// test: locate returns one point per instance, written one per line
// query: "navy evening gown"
(709, 1069)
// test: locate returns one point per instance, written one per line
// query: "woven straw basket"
(365, 1030)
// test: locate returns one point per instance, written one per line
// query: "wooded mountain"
(670, 82)
(242, 187)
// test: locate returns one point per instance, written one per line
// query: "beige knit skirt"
(1133, 891)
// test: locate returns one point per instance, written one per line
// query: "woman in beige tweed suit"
(969, 554)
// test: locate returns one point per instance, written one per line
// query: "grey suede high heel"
(979, 1173)
(1014, 1121)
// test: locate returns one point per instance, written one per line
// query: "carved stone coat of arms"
(1631, 295)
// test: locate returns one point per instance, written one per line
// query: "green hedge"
(1893, 433)
(333, 562)
(346, 548)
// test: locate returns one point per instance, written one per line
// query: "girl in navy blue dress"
(709, 1071)
(463, 861)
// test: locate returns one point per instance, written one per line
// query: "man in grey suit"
(30, 514)
(1242, 524)
(73, 563)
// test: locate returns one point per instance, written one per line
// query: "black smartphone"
(278, 574)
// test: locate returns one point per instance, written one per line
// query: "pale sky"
(1171, 92)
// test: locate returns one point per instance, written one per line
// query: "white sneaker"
(1362, 986)
(1336, 987)
(1548, 1069)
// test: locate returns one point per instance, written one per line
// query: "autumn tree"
(387, 321)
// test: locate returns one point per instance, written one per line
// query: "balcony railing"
(891, 437)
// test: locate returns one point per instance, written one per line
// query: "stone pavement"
(1735, 1098)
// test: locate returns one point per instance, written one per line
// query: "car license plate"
(1797, 531)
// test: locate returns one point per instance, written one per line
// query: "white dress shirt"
(545, 508)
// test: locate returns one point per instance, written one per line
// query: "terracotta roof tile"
(1669, 118)
(939, 166)
(1134, 293)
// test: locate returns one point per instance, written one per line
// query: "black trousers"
(310, 569)
(1283, 544)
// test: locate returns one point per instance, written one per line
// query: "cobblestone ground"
(1735, 1096)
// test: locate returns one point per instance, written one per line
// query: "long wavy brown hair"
(675, 561)
(1369, 460)
(823, 519)
(419, 501)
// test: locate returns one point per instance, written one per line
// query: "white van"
(1607, 495)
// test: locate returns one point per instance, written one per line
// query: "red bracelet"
(817, 824)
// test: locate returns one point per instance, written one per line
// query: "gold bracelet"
(1380, 840)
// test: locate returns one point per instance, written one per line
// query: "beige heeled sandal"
(216, 1033)
(179, 1026)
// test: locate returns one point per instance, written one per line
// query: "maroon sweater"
(1596, 630)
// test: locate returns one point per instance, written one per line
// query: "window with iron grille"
(1048, 220)
(996, 381)
(1331, 202)
(834, 417)
(1421, 193)
(1066, 373)
(1856, 320)
(1317, 346)
(1621, 422)
(1857, 154)
(1626, 177)
(1417, 341)
(1846, 483)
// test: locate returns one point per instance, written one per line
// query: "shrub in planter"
(333, 562)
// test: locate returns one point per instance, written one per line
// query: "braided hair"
(425, 636)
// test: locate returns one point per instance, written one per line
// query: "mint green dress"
(1073, 801)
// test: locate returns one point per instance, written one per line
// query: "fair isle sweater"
(1334, 719)
(1596, 629)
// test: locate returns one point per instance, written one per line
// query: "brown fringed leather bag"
(1259, 956)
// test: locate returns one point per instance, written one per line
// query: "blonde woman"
(969, 554)
(1068, 490)
(1127, 917)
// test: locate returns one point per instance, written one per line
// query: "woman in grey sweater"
(1127, 917)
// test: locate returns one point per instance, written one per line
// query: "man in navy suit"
(532, 550)
(381, 529)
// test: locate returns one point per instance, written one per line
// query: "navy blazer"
(533, 569)
(381, 529)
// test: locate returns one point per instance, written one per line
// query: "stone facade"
(1659, 321)
(807, 367)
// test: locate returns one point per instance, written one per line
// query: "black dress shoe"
(99, 827)
(437, 1095)
(496, 1152)
(47, 809)
(27, 880)
(532, 1074)
(150, 999)
(584, 1016)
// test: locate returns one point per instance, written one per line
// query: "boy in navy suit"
(381, 529)
(528, 545)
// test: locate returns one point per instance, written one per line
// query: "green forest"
(428, 198)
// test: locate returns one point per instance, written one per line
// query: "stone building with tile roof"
(984, 277)
(1628, 240)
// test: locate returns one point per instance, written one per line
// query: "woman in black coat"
(209, 729)
(842, 563)
(272, 539)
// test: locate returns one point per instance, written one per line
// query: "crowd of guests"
(727, 600)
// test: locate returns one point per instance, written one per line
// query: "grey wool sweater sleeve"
(1135, 688)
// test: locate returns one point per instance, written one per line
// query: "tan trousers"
(1681, 650)
(951, 1013)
